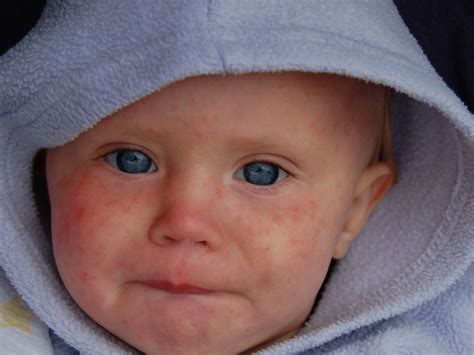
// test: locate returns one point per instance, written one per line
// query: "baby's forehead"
(256, 90)
(252, 108)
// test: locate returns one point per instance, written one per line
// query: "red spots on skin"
(79, 214)
(85, 277)
(317, 128)
(237, 114)
(296, 213)
(133, 268)
(174, 107)
(111, 203)
(219, 193)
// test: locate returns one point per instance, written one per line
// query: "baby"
(203, 173)
(182, 222)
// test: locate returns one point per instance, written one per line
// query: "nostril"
(167, 240)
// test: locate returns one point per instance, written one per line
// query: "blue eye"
(131, 161)
(261, 173)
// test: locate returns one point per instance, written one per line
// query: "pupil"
(133, 161)
(259, 173)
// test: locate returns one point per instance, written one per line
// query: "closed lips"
(176, 288)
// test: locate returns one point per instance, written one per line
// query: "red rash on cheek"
(79, 215)
(294, 229)
(84, 207)
(86, 277)
(309, 228)
(299, 213)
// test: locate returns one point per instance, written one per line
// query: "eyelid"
(116, 147)
(282, 162)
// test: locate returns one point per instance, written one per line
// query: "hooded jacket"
(406, 286)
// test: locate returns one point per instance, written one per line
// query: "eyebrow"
(242, 141)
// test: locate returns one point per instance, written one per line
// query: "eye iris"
(133, 161)
(259, 173)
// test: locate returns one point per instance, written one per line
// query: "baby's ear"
(373, 184)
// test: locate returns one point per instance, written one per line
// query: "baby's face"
(203, 218)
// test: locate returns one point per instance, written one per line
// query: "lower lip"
(178, 289)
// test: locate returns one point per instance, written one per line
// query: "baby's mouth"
(182, 288)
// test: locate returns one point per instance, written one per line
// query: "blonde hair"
(383, 149)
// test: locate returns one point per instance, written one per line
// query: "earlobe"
(342, 246)
(373, 184)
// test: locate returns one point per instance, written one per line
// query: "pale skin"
(191, 258)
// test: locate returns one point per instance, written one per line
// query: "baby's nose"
(179, 227)
(189, 210)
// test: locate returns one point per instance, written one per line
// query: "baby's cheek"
(89, 220)
(290, 253)
(291, 237)
(302, 225)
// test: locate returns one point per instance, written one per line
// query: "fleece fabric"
(406, 285)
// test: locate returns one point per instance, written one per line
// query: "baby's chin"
(218, 344)
(192, 347)
(175, 344)
(189, 339)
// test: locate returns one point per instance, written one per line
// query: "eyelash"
(265, 188)
(117, 149)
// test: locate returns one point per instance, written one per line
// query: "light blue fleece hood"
(406, 285)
